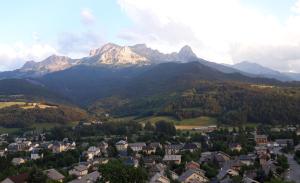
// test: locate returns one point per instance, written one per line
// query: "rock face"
(50, 64)
(108, 55)
(112, 54)
(184, 55)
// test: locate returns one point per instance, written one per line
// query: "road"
(294, 173)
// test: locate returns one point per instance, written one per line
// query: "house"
(261, 150)
(137, 147)
(298, 132)
(122, 145)
(99, 161)
(149, 150)
(246, 160)
(172, 158)
(205, 157)
(3, 152)
(173, 175)
(232, 172)
(46, 145)
(235, 147)
(89, 178)
(21, 178)
(235, 164)
(157, 168)
(263, 159)
(14, 147)
(35, 154)
(249, 180)
(155, 145)
(206, 129)
(92, 151)
(79, 170)
(103, 146)
(225, 172)
(192, 165)
(284, 142)
(220, 157)
(54, 175)
(58, 147)
(159, 178)
(19, 145)
(191, 176)
(297, 147)
(261, 139)
(148, 161)
(190, 147)
(173, 148)
(17, 161)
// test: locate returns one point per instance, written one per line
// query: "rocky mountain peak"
(113, 54)
(187, 53)
(28, 65)
(104, 48)
(50, 64)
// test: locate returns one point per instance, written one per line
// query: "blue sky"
(227, 31)
(20, 19)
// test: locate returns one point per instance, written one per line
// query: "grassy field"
(186, 124)
(8, 130)
(41, 126)
(24, 105)
(129, 118)
(8, 104)
(154, 119)
(38, 126)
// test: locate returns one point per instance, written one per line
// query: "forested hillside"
(180, 90)
(16, 116)
(230, 102)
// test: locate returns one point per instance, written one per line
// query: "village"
(248, 155)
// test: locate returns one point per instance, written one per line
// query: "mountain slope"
(112, 54)
(256, 69)
(185, 54)
(84, 84)
(29, 89)
(51, 64)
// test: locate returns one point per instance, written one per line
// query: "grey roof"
(81, 167)
(172, 158)
(54, 174)
(248, 180)
(190, 146)
(174, 146)
(137, 144)
(91, 177)
(156, 177)
(121, 142)
(285, 141)
(245, 158)
(190, 172)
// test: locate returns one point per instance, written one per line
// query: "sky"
(266, 32)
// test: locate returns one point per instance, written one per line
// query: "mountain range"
(127, 71)
(112, 55)
(139, 81)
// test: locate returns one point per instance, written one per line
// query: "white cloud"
(14, 56)
(87, 16)
(220, 31)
